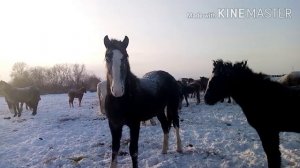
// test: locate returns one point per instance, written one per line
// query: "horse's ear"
(125, 42)
(106, 41)
(214, 63)
(245, 63)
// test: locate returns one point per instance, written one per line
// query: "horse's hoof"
(179, 150)
(33, 114)
(164, 152)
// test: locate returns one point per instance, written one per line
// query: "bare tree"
(57, 79)
(38, 76)
(79, 73)
(20, 75)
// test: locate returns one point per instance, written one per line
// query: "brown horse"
(76, 94)
(13, 96)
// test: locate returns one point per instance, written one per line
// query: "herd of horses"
(270, 106)
(30, 96)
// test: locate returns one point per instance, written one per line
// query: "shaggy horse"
(76, 94)
(130, 100)
(102, 92)
(13, 96)
(269, 107)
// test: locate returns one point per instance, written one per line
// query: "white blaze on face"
(117, 85)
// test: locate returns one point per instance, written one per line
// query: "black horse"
(192, 89)
(130, 100)
(269, 107)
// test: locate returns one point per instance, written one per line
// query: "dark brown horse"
(131, 100)
(76, 94)
(16, 96)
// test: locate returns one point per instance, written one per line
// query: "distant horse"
(191, 87)
(13, 96)
(76, 94)
(130, 100)
(290, 79)
(203, 83)
(102, 92)
(269, 107)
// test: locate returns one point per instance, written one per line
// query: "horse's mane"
(116, 44)
(238, 69)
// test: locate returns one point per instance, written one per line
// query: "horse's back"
(162, 78)
(26, 94)
(161, 83)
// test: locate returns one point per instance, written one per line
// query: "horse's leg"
(21, 106)
(270, 143)
(116, 133)
(19, 112)
(198, 96)
(71, 102)
(34, 108)
(15, 109)
(186, 99)
(165, 126)
(229, 99)
(134, 138)
(80, 98)
(172, 115)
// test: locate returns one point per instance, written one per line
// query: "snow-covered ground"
(59, 136)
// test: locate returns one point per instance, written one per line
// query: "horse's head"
(117, 65)
(221, 81)
(83, 89)
(4, 85)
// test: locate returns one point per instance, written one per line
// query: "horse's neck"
(131, 83)
(9, 89)
(244, 90)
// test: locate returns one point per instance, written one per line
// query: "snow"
(59, 136)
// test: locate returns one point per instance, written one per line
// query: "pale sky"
(161, 36)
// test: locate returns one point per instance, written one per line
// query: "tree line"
(59, 78)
